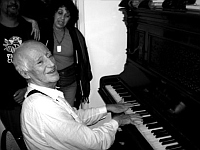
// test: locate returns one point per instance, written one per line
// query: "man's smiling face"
(42, 68)
(10, 7)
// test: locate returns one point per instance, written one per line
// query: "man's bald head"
(23, 53)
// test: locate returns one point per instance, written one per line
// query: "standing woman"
(68, 46)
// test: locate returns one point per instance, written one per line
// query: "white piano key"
(174, 143)
(156, 145)
(113, 93)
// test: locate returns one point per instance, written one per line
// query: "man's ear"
(24, 74)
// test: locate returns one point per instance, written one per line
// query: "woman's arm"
(35, 28)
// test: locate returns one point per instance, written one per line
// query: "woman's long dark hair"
(71, 7)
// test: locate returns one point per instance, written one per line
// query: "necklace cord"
(59, 42)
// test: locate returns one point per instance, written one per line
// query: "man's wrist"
(108, 107)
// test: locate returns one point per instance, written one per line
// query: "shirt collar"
(53, 93)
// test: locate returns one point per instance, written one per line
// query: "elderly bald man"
(48, 122)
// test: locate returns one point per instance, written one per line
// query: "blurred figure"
(48, 121)
(14, 29)
(36, 9)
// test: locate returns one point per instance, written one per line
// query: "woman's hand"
(35, 30)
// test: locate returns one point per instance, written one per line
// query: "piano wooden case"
(162, 73)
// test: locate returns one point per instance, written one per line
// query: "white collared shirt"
(50, 123)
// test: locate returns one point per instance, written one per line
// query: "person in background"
(36, 9)
(48, 122)
(68, 46)
(14, 29)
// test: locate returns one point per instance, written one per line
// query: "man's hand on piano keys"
(125, 119)
(119, 107)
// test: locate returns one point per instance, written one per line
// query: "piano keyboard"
(154, 133)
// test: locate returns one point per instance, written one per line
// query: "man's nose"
(51, 62)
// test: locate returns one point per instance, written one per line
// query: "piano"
(161, 77)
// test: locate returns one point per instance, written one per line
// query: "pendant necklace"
(59, 42)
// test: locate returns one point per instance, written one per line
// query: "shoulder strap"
(34, 91)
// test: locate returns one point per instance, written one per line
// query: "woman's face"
(61, 17)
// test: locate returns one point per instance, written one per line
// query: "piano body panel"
(162, 72)
(180, 124)
(163, 44)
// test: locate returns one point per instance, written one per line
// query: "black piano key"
(168, 142)
(148, 122)
(138, 108)
(173, 146)
(153, 125)
(143, 113)
(128, 98)
(123, 95)
(165, 139)
(127, 95)
(120, 90)
(162, 134)
(158, 131)
(177, 148)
